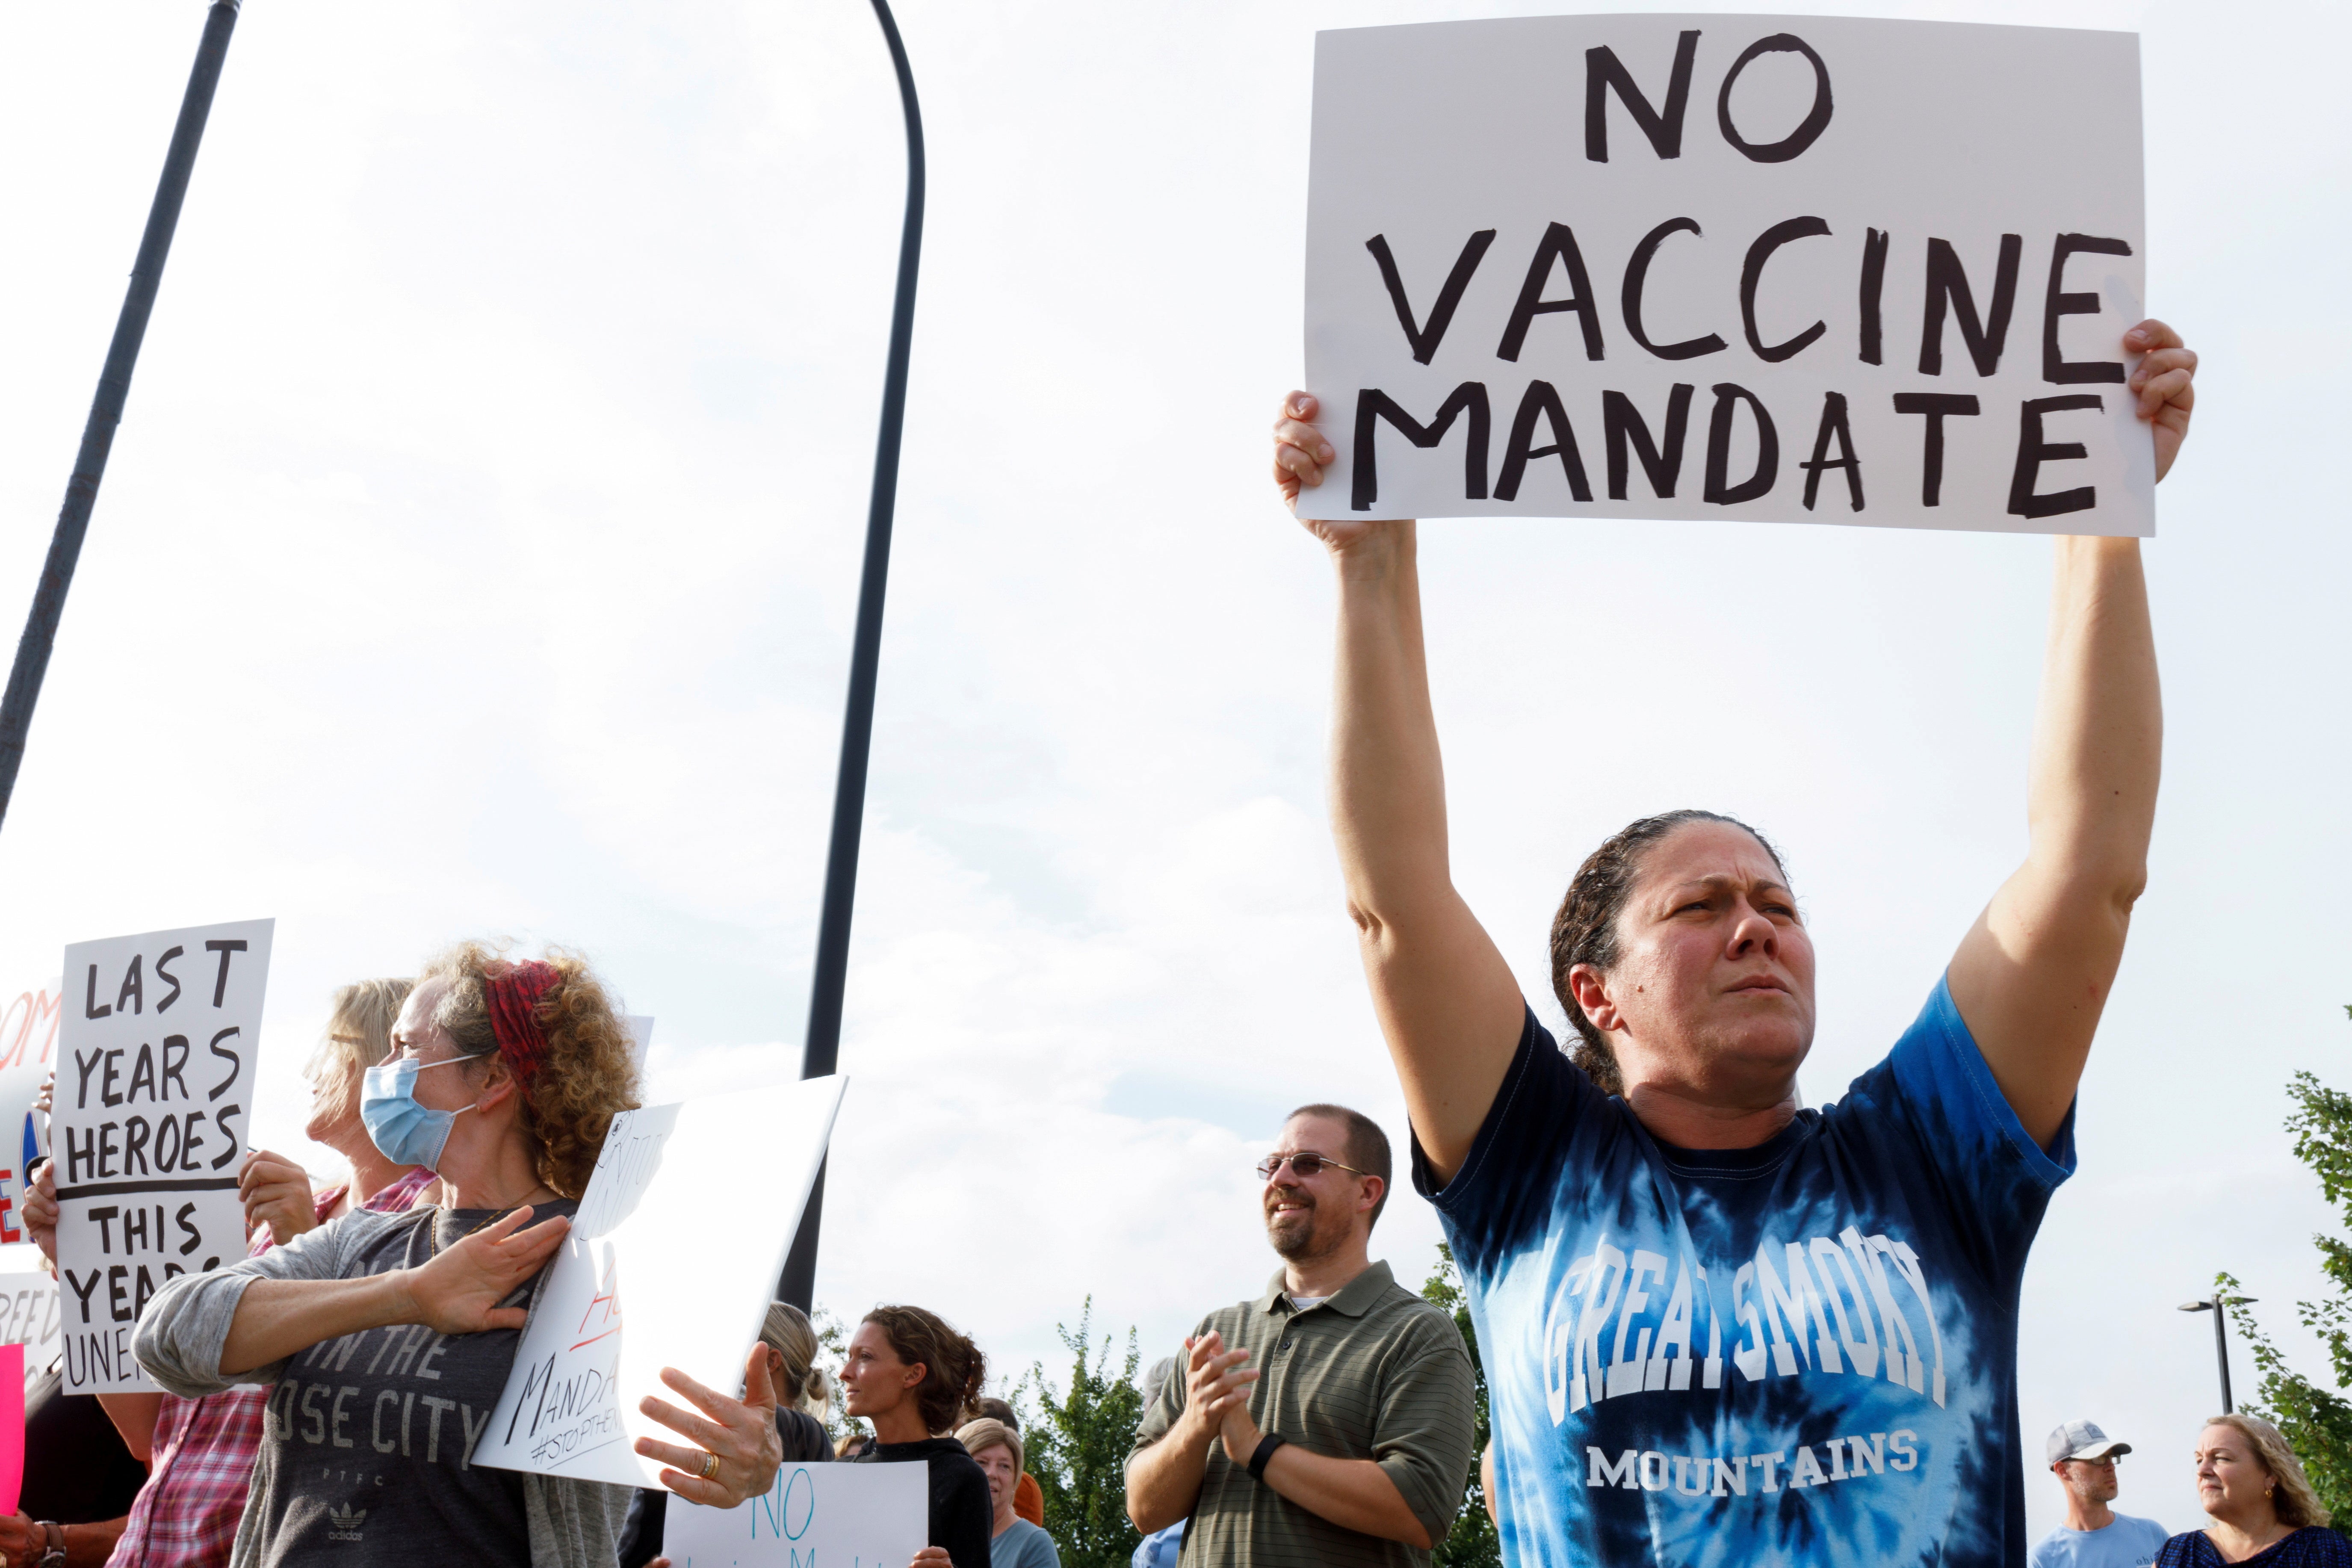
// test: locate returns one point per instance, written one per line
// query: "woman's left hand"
(739, 1434)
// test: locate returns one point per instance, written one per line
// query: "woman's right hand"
(933, 1557)
(1300, 452)
(459, 1291)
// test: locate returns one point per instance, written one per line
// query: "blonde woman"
(1013, 1542)
(387, 1338)
(2263, 1509)
(276, 1190)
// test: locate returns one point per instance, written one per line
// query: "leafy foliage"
(1471, 1543)
(2316, 1419)
(832, 1350)
(1076, 1443)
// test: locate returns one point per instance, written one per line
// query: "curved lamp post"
(40, 633)
(822, 1046)
(2221, 1336)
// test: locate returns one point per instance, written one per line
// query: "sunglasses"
(1305, 1167)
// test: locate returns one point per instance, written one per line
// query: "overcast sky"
(478, 555)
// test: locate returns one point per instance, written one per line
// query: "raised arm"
(2032, 974)
(1447, 1003)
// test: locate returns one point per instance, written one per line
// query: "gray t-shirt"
(1023, 1545)
(2126, 1542)
(365, 1454)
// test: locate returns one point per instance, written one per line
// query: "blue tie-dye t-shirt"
(1802, 1353)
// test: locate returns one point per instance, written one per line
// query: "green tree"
(2316, 1418)
(1077, 1442)
(1472, 1542)
(832, 1350)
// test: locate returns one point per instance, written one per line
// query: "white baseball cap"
(2084, 1440)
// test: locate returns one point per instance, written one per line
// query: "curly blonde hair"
(2295, 1503)
(590, 1072)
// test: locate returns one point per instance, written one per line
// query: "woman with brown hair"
(910, 1376)
(387, 1338)
(2264, 1511)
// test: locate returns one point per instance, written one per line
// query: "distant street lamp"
(2220, 1337)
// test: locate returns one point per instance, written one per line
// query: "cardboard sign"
(672, 1260)
(28, 1044)
(1786, 269)
(155, 1076)
(30, 1312)
(816, 1516)
(11, 1425)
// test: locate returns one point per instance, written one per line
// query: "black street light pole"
(823, 1046)
(106, 408)
(2221, 1336)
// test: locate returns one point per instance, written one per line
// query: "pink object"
(11, 1425)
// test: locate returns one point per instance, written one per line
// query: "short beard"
(1296, 1242)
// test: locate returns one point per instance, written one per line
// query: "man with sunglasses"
(2093, 1536)
(1330, 1420)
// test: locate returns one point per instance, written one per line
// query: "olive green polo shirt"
(1372, 1373)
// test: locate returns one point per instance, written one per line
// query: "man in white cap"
(2093, 1536)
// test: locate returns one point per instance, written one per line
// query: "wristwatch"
(1266, 1447)
(54, 1557)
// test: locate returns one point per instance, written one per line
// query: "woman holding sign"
(387, 1338)
(911, 1376)
(1718, 1327)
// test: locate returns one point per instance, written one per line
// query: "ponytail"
(954, 1368)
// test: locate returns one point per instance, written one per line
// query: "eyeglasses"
(1305, 1167)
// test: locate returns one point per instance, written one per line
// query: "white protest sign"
(1783, 268)
(30, 1313)
(28, 1044)
(816, 1516)
(155, 1076)
(672, 1260)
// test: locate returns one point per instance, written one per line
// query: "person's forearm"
(133, 1415)
(1163, 1481)
(276, 1317)
(1354, 1494)
(90, 1545)
(2098, 739)
(1388, 781)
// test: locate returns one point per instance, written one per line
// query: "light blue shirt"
(1159, 1549)
(2129, 1542)
(1023, 1545)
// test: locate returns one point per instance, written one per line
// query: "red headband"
(513, 993)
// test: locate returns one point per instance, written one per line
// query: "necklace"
(440, 1245)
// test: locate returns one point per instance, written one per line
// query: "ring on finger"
(709, 1468)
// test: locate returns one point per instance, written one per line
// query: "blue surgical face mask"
(407, 1132)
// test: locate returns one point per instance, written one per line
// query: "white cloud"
(479, 549)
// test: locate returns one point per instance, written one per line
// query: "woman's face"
(1003, 1475)
(416, 1035)
(328, 1125)
(2231, 1482)
(1714, 979)
(877, 1381)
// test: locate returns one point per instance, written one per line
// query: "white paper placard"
(155, 1077)
(28, 1044)
(30, 1314)
(672, 1260)
(816, 1516)
(1784, 269)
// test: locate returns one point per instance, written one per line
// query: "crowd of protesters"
(1655, 1233)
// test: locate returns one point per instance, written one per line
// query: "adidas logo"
(346, 1522)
